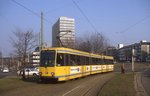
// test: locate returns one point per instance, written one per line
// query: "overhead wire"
(61, 7)
(81, 11)
(138, 22)
(31, 11)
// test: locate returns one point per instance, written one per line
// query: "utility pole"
(39, 39)
(1, 56)
(2, 62)
(133, 53)
(42, 32)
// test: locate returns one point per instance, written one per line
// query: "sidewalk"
(138, 85)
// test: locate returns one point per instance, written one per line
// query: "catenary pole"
(42, 32)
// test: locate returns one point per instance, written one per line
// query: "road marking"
(70, 91)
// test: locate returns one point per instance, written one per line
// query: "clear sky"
(121, 21)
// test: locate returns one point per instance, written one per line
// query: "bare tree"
(99, 42)
(95, 43)
(23, 42)
(83, 44)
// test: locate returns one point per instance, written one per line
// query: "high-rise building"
(63, 32)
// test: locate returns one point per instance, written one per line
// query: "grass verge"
(10, 84)
(120, 85)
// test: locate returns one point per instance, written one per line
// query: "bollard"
(122, 68)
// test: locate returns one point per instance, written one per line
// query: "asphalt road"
(88, 86)
(11, 73)
(146, 80)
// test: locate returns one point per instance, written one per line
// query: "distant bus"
(63, 64)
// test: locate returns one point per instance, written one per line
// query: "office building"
(63, 33)
(141, 52)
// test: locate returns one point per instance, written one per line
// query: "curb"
(140, 91)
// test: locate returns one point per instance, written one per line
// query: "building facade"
(141, 52)
(35, 57)
(111, 51)
(63, 32)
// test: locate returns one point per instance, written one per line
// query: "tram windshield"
(47, 58)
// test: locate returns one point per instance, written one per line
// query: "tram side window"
(99, 61)
(94, 61)
(67, 57)
(103, 61)
(78, 60)
(60, 60)
(87, 60)
(109, 61)
(82, 60)
(90, 61)
(106, 61)
(73, 60)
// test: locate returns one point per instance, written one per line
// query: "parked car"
(29, 71)
(5, 70)
(32, 71)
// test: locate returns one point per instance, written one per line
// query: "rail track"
(91, 87)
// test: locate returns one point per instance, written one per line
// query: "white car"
(31, 71)
(5, 70)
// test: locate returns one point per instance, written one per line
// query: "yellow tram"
(63, 64)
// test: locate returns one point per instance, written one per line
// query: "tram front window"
(47, 58)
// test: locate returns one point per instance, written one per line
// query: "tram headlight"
(52, 73)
